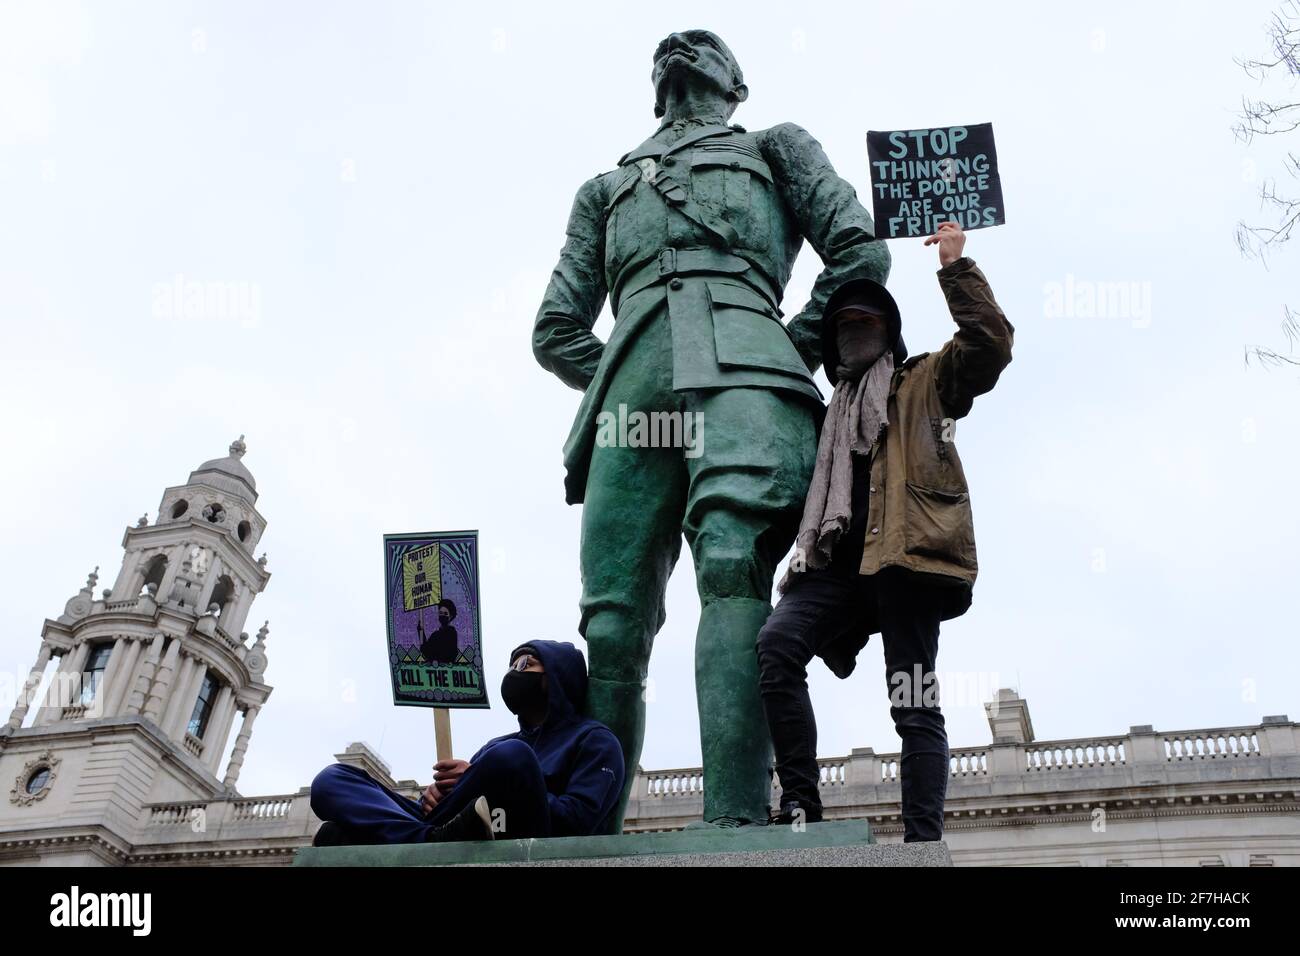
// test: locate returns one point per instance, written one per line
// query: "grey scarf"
(855, 420)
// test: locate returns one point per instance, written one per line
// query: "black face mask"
(861, 342)
(522, 691)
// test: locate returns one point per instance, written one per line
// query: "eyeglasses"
(523, 662)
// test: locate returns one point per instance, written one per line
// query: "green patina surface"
(836, 833)
(693, 238)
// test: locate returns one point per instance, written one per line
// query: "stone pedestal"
(833, 843)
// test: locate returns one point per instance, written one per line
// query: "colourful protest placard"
(435, 648)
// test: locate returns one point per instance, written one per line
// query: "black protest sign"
(922, 177)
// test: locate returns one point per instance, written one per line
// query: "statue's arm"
(563, 342)
(830, 217)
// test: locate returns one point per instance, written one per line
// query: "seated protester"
(560, 775)
(886, 543)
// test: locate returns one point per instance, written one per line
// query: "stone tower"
(151, 677)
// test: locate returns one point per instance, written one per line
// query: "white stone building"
(116, 752)
(151, 677)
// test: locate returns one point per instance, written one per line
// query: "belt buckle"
(668, 261)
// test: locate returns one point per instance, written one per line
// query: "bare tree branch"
(1259, 117)
(1284, 36)
(1269, 358)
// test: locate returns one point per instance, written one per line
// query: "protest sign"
(435, 650)
(922, 177)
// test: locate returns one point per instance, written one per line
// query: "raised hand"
(951, 240)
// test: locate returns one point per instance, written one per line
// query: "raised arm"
(830, 217)
(971, 362)
(563, 342)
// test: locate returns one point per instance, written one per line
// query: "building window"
(180, 508)
(203, 707)
(38, 780)
(35, 780)
(153, 573)
(223, 596)
(93, 673)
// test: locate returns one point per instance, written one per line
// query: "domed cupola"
(220, 493)
(228, 474)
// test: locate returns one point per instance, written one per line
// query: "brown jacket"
(919, 515)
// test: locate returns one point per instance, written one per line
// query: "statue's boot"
(734, 739)
(620, 706)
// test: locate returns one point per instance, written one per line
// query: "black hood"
(566, 677)
(856, 289)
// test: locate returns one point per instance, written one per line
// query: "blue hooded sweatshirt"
(581, 758)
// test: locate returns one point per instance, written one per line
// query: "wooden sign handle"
(442, 732)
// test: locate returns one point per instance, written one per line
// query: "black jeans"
(820, 606)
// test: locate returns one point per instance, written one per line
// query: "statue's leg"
(746, 495)
(631, 538)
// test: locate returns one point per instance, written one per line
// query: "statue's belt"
(672, 262)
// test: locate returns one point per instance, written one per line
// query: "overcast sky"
(391, 182)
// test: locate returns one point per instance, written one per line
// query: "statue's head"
(700, 59)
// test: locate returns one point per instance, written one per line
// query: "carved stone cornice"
(218, 651)
(63, 734)
(198, 531)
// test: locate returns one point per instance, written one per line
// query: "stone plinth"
(840, 842)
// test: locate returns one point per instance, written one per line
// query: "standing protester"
(887, 541)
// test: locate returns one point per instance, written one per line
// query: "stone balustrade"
(987, 779)
(128, 605)
(1048, 783)
(1074, 754)
(1212, 744)
(226, 829)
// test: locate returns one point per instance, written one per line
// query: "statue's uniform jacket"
(713, 222)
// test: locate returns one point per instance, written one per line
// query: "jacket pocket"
(939, 525)
(725, 180)
(748, 334)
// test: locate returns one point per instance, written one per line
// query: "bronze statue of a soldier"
(693, 238)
